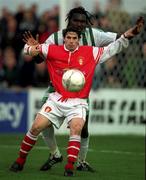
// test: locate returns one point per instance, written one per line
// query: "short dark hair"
(80, 10)
(71, 29)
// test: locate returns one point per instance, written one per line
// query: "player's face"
(78, 21)
(71, 41)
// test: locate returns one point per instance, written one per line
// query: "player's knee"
(36, 129)
(76, 129)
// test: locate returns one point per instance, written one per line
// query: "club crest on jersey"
(80, 60)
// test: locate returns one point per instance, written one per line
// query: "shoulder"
(100, 32)
(103, 38)
(58, 37)
(59, 33)
(94, 30)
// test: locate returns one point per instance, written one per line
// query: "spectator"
(47, 28)
(134, 71)
(29, 22)
(9, 73)
(110, 74)
(104, 22)
(1, 58)
(141, 75)
(3, 21)
(20, 13)
(119, 19)
(41, 78)
(26, 75)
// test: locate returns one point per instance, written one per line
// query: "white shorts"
(58, 111)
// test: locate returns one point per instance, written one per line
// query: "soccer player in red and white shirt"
(80, 19)
(62, 104)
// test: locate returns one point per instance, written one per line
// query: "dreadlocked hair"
(80, 10)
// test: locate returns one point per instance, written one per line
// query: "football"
(73, 80)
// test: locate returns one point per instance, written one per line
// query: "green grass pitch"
(114, 157)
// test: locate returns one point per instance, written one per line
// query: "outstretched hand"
(29, 39)
(132, 32)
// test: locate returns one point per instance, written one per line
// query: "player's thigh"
(51, 111)
(78, 111)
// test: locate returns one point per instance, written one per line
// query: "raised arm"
(31, 41)
(35, 50)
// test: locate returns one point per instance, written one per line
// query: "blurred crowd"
(127, 70)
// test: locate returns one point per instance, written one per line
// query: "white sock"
(48, 136)
(83, 149)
